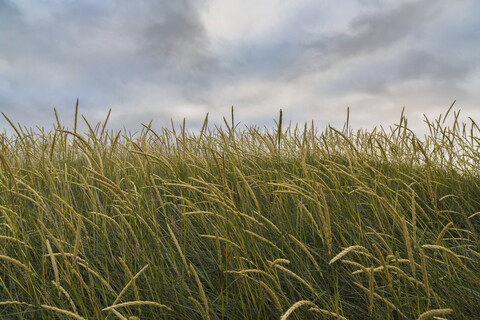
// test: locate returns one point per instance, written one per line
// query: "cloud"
(101, 51)
(174, 59)
(380, 30)
(401, 49)
(387, 55)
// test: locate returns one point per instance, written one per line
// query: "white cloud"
(242, 20)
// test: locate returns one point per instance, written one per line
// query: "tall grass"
(233, 223)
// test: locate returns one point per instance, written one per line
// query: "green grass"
(231, 223)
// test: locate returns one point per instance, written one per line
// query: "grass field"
(241, 223)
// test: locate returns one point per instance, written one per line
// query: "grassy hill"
(231, 223)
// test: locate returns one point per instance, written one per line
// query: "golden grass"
(63, 312)
(136, 303)
(433, 313)
(295, 306)
(345, 251)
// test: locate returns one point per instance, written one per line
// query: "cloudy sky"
(163, 59)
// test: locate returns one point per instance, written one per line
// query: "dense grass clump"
(233, 223)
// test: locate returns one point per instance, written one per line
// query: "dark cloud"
(178, 36)
(100, 51)
(373, 33)
(384, 49)
(373, 36)
(434, 66)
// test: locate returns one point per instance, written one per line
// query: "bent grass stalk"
(202, 292)
(64, 312)
(433, 313)
(136, 303)
(65, 293)
(346, 251)
(295, 306)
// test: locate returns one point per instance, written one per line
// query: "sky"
(166, 60)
